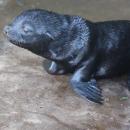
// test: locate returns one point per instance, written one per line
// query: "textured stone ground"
(31, 99)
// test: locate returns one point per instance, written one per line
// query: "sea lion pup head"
(48, 34)
(31, 30)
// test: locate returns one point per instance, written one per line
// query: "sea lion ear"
(50, 35)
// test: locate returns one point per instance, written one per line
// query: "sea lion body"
(113, 43)
(75, 45)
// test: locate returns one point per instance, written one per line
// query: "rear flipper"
(88, 90)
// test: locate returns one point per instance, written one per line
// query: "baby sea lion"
(88, 50)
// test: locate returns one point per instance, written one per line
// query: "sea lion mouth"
(16, 43)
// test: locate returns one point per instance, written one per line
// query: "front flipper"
(54, 68)
(88, 90)
(82, 83)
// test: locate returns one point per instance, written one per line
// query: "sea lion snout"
(6, 29)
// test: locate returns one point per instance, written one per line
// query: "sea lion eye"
(27, 29)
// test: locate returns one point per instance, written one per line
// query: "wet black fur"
(89, 50)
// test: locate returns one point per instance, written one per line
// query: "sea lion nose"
(6, 29)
